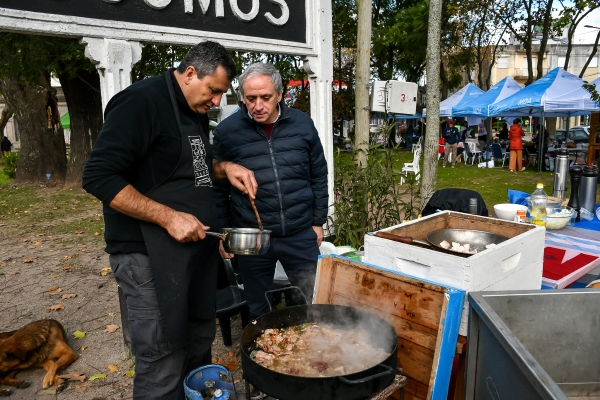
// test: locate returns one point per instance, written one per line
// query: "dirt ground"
(51, 246)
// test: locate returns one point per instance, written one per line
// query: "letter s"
(157, 4)
(285, 13)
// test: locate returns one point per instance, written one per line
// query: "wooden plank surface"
(415, 390)
(411, 331)
(402, 299)
(416, 361)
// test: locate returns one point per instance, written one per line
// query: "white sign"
(394, 97)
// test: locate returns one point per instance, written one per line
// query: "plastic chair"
(412, 167)
(230, 301)
(498, 154)
(472, 153)
(417, 145)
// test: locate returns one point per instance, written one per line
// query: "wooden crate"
(511, 265)
(426, 317)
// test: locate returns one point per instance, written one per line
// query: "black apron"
(185, 283)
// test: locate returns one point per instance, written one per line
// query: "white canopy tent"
(578, 100)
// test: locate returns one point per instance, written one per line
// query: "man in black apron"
(152, 167)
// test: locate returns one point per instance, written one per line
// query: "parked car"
(577, 134)
(586, 128)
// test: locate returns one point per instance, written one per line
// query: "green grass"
(491, 183)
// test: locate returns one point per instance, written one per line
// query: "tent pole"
(541, 157)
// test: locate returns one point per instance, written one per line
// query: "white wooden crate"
(511, 265)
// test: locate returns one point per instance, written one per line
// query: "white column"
(114, 60)
(320, 75)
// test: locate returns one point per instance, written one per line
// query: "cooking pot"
(357, 386)
(244, 241)
(476, 239)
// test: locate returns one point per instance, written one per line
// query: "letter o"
(157, 4)
(240, 15)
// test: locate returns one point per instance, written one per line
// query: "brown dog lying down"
(37, 344)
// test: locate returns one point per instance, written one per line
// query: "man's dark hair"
(206, 57)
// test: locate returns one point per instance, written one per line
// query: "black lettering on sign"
(271, 19)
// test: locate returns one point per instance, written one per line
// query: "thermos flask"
(561, 174)
(589, 185)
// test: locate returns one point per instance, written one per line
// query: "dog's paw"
(5, 392)
(22, 384)
(61, 384)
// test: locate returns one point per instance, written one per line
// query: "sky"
(588, 35)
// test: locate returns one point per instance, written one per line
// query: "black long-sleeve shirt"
(139, 144)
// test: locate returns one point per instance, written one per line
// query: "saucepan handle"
(219, 235)
(388, 371)
(283, 290)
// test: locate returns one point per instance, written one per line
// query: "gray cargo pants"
(159, 372)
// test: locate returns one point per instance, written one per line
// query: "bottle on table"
(473, 206)
(539, 200)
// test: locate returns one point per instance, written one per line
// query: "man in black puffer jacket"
(282, 147)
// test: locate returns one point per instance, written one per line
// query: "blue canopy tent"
(531, 99)
(479, 106)
(463, 96)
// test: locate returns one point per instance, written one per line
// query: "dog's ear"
(19, 353)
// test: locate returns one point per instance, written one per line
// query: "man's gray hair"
(206, 57)
(262, 69)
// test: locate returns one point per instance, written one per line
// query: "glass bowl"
(558, 217)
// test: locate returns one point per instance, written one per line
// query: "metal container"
(244, 241)
(533, 345)
(561, 173)
(587, 190)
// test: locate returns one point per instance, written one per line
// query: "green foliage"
(369, 197)
(156, 59)
(9, 164)
(593, 91)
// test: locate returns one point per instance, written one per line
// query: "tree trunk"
(592, 54)
(7, 112)
(363, 64)
(42, 139)
(84, 102)
(544, 40)
(429, 176)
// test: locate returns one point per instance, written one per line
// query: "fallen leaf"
(68, 257)
(111, 328)
(82, 348)
(238, 380)
(59, 290)
(56, 308)
(84, 250)
(28, 260)
(41, 234)
(52, 289)
(125, 384)
(25, 240)
(83, 387)
(14, 272)
(113, 368)
(75, 376)
(97, 376)
(78, 334)
(96, 233)
(230, 365)
(53, 276)
(37, 243)
(214, 360)
(78, 232)
(129, 373)
(67, 267)
(2, 265)
(104, 271)
(68, 295)
(111, 314)
(47, 392)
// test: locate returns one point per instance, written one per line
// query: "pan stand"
(398, 384)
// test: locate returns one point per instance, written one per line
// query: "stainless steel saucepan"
(244, 241)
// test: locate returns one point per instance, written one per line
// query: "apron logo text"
(202, 177)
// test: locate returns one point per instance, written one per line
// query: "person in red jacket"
(515, 135)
